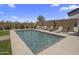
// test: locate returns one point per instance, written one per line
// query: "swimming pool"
(37, 41)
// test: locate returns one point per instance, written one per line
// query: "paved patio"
(69, 45)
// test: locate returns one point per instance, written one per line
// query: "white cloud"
(13, 17)
(70, 7)
(2, 12)
(53, 5)
(11, 5)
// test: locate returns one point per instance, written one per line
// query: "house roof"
(73, 12)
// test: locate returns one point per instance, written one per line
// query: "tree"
(54, 24)
(41, 19)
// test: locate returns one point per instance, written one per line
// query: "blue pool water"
(37, 40)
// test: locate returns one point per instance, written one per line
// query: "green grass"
(5, 47)
(4, 33)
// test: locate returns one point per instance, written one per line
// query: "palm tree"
(41, 19)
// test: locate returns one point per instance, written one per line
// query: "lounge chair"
(75, 29)
(38, 27)
(74, 32)
(45, 27)
(60, 29)
(51, 28)
(64, 29)
(42, 27)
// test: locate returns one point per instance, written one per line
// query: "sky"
(30, 12)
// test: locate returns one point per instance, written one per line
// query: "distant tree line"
(16, 25)
(19, 25)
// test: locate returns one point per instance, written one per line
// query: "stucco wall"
(75, 16)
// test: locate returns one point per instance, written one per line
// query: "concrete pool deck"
(18, 46)
(67, 46)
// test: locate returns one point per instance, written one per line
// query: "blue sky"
(30, 12)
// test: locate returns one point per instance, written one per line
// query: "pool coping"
(18, 46)
(57, 48)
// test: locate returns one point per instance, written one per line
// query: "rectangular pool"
(37, 41)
